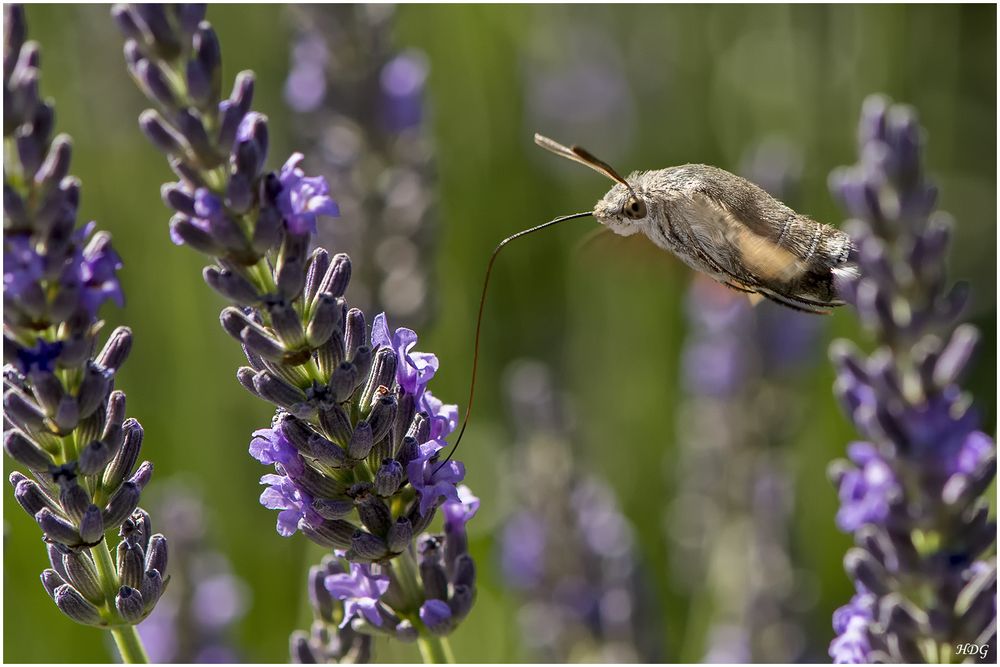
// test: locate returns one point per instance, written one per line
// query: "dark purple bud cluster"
(74, 583)
(912, 493)
(361, 107)
(63, 420)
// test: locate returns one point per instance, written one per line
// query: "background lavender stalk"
(356, 438)
(566, 548)
(63, 421)
(732, 520)
(912, 493)
(361, 111)
(194, 620)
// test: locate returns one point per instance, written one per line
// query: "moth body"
(731, 229)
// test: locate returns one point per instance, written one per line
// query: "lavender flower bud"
(436, 617)
(343, 381)
(336, 424)
(388, 478)
(121, 465)
(71, 603)
(129, 604)
(354, 333)
(178, 198)
(83, 576)
(156, 556)
(433, 575)
(74, 499)
(30, 496)
(277, 391)
(23, 450)
(57, 528)
(956, 355)
(336, 279)
(159, 132)
(56, 165)
(400, 534)
(461, 601)
(23, 411)
(361, 441)
(324, 320)
(93, 389)
(231, 285)
(366, 548)
(51, 581)
(47, 389)
(334, 533)
(464, 572)
(319, 262)
(185, 232)
(130, 565)
(122, 503)
(332, 509)
(94, 457)
(287, 325)
(154, 83)
(142, 475)
(300, 651)
(383, 413)
(116, 349)
(92, 525)
(151, 589)
(374, 514)
(245, 376)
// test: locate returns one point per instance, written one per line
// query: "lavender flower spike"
(356, 437)
(912, 492)
(65, 424)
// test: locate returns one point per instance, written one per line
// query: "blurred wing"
(725, 238)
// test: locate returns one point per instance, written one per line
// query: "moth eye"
(635, 208)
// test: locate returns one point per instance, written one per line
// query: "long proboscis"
(479, 319)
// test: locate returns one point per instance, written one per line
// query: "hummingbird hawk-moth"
(727, 227)
(716, 222)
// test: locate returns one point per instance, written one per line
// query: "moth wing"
(729, 241)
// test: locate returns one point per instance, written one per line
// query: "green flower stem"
(126, 637)
(435, 650)
(129, 644)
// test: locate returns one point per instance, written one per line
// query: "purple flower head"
(435, 613)
(270, 446)
(458, 512)
(303, 198)
(360, 590)
(867, 491)
(41, 357)
(98, 272)
(414, 369)
(432, 481)
(295, 504)
(443, 416)
(22, 265)
(852, 645)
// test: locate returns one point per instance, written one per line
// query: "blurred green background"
(691, 84)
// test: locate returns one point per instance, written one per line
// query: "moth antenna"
(479, 319)
(584, 157)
